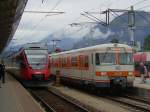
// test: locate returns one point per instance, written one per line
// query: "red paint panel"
(140, 57)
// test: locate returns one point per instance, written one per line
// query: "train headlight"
(130, 73)
(103, 73)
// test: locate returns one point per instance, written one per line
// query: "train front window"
(105, 58)
(36, 59)
(125, 58)
(36, 56)
(35, 51)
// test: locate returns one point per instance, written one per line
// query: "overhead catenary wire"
(47, 12)
(137, 3)
(143, 7)
(123, 19)
(147, 20)
(58, 2)
(36, 25)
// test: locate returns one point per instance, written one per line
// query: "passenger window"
(64, 62)
(74, 62)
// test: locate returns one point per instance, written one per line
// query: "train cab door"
(22, 67)
(86, 68)
(92, 66)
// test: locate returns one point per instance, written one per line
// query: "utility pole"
(131, 25)
(131, 19)
(55, 41)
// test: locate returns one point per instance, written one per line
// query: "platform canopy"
(10, 14)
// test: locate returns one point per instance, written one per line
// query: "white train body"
(102, 66)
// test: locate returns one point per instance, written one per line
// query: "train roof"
(30, 46)
(34, 46)
(96, 47)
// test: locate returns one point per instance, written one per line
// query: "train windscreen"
(125, 58)
(111, 58)
(37, 58)
(105, 58)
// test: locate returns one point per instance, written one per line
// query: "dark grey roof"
(10, 15)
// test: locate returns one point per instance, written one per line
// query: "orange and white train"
(100, 66)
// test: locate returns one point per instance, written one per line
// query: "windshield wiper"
(105, 54)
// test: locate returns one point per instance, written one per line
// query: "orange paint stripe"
(88, 79)
(117, 73)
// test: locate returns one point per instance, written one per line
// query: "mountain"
(65, 42)
(99, 34)
(118, 29)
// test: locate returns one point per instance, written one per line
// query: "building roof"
(10, 14)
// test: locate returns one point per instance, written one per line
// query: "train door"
(91, 67)
(24, 67)
(80, 65)
(86, 68)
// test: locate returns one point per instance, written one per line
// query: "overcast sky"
(34, 27)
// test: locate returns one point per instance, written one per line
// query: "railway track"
(138, 99)
(136, 103)
(54, 102)
(133, 103)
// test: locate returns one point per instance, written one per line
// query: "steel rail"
(49, 108)
(69, 101)
(44, 103)
(143, 100)
(138, 105)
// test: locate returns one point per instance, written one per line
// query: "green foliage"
(147, 43)
(114, 40)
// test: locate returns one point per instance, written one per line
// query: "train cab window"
(125, 58)
(97, 59)
(105, 58)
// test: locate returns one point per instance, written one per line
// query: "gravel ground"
(96, 102)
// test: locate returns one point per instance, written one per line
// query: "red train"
(31, 64)
(141, 57)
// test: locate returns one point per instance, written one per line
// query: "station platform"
(141, 89)
(14, 98)
(138, 84)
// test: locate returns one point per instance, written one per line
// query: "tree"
(114, 40)
(146, 45)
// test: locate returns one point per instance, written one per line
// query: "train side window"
(60, 62)
(68, 62)
(64, 62)
(97, 59)
(81, 61)
(74, 62)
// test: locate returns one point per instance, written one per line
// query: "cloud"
(37, 26)
(98, 34)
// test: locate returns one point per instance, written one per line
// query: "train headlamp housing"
(130, 73)
(103, 73)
